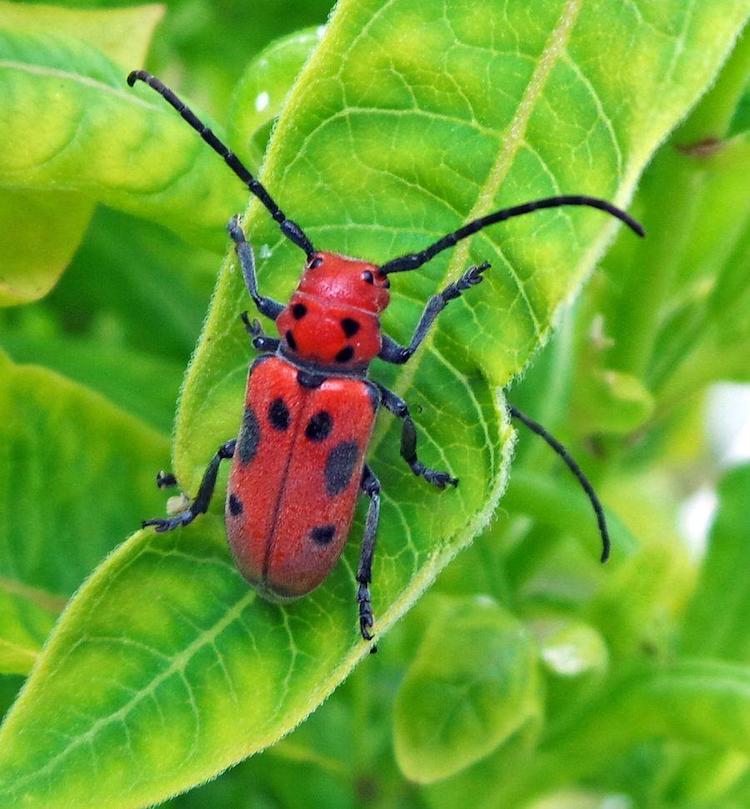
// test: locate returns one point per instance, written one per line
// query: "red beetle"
(310, 406)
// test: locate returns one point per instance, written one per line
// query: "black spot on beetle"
(350, 326)
(290, 341)
(249, 439)
(340, 465)
(278, 414)
(299, 310)
(319, 427)
(368, 277)
(345, 354)
(235, 505)
(323, 534)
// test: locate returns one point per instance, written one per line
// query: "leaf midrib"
(78, 78)
(177, 666)
(516, 130)
(41, 598)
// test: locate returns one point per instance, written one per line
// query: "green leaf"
(262, 90)
(403, 124)
(24, 626)
(472, 684)
(689, 702)
(122, 34)
(151, 277)
(50, 428)
(616, 402)
(75, 474)
(142, 385)
(716, 622)
(41, 231)
(71, 123)
(701, 701)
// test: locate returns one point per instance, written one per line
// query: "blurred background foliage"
(560, 683)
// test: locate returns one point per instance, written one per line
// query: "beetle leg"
(391, 351)
(400, 409)
(371, 487)
(260, 340)
(203, 498)
(266, 306)
(165, 480)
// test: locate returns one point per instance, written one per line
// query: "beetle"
(298, 463)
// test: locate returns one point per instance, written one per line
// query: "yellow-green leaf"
(41, 229)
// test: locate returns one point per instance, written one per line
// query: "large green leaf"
(408, 119)
(75, 473)
(144, 386)
(41, 231)
(71, 124)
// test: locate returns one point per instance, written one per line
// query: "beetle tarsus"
(202, 499)
(371, 487)
(169, 524)
(165, 480)
(396, 405)
(391, 351)
(260, 340)
(438, 479)
(366, 618)
(470, 278)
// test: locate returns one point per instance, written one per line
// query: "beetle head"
(345, 281)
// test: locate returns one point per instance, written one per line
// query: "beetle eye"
(315, 262)
(367, 277)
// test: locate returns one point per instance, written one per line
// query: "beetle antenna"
(414, 260)
(289, 228)
(537, 428)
